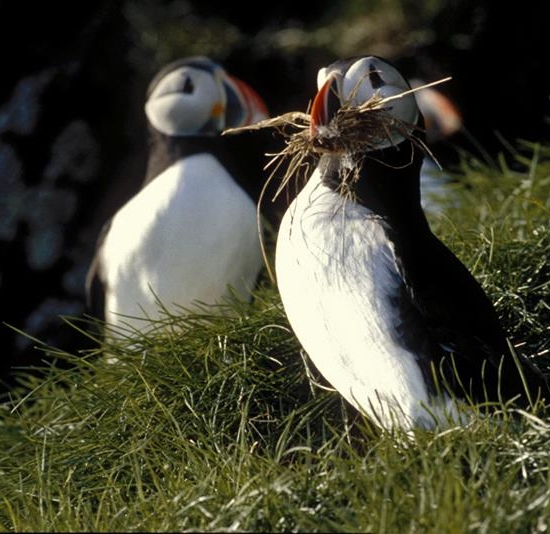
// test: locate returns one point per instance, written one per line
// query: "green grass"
(215, 426)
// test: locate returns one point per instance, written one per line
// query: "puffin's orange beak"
(325, 104)
(318, 109)
(253, 105)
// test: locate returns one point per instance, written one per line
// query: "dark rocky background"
(72, 136)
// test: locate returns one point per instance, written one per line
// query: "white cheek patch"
(172, 115)
(404, 108)
(358, 87)
(174, 112)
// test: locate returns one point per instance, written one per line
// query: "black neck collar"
(386, 181)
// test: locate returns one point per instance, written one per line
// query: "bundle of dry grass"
(353, 130)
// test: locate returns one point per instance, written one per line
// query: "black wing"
(450, 321)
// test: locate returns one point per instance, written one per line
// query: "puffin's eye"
(375, 78)
(188, 86)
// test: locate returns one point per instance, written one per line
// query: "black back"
(447, 319)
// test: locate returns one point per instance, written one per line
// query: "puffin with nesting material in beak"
(386, 312)
(190, 235)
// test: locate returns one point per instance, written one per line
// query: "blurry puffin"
(191, 231)
(385, 311)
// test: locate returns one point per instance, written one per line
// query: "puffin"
(387, 314)
(189, 237)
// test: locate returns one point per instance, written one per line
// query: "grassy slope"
(218, 428)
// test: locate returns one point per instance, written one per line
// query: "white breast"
(335, 272)
(185, 237)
